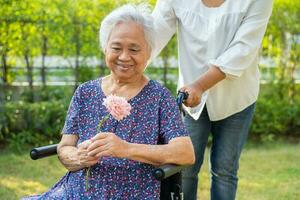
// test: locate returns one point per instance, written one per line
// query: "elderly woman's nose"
(124, 55)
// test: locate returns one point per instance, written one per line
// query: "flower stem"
(88, 171)
(101, 122)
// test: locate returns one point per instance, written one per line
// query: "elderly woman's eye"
(116, 48)
(134, 50)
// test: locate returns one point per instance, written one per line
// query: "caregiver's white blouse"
(228, 36)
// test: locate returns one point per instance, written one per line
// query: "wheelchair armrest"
(160, 173)
(165, 171)
(44, 151)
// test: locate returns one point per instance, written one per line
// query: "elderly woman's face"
(127, 52)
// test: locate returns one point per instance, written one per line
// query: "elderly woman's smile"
(127, 51)
(124, 66)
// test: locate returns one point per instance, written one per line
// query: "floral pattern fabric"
(154, 117)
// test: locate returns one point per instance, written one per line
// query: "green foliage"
(276, 116)
(32, 123)
(277, 112)
(48, 28)
(282, 44)
(86, 74)
(39, 93)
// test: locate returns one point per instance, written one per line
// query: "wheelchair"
(169, 175)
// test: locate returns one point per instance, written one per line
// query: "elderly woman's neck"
(127, 88)
(138, 80)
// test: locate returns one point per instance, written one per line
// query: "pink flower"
(117, 106)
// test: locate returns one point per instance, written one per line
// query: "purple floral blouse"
(154, 117)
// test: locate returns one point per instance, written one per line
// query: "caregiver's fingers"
(194, 97)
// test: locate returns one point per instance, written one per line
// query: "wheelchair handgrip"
(165, 171)
(44, 151)
(181, 97)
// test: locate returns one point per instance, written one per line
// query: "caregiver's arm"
(164, 25)
(239, 54)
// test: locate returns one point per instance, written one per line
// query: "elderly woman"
(121, 157)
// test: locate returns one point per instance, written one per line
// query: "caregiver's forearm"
(209, 78)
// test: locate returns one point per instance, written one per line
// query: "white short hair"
(139, 14)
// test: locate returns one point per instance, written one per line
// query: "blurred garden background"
(49, 47)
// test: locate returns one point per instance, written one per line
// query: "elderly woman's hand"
(107, 144)
(84, 159)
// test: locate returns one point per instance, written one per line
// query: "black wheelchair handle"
(165, 171)
(181, 97)
(44, 151)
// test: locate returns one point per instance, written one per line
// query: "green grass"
(267, 172)
(20, 176)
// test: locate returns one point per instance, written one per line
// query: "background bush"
(32, 123)
(275, 116)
